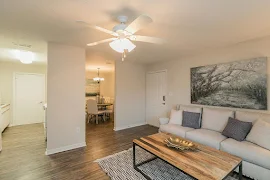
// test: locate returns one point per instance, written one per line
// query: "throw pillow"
(191, 119)
(237, 129)
(260, 134)
(176, 117)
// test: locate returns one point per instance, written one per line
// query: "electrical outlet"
(78, 129)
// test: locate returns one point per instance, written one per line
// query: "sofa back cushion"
(265, 117)
(260, 134)
(251, 116)
(194, 109)
(215, 119)
(176, 117)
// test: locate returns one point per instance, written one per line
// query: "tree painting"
(241, 84)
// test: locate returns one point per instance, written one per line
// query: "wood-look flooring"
(23, 155)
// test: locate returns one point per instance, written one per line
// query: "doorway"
(156, 96)
(29, 98)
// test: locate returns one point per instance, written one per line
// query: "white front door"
(156, 91)
(29, 96)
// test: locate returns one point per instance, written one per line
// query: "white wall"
(107, 87)
(66, 98)
(130, 94)
(7, 70)
(179, 69)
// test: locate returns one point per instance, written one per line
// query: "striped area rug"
(120, 167)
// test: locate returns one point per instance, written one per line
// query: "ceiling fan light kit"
(120, 45)
(123, 34)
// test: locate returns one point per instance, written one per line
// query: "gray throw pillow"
(237, 129)
(191, 119)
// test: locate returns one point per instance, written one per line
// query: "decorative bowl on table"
(181, 144)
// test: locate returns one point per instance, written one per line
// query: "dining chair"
(112, 100)
(92, 110)
(110, 111)
(107, 99)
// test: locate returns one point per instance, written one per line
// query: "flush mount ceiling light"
(26, 57)
(98, 79)
(124, 34)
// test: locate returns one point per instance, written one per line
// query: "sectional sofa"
(256, 159)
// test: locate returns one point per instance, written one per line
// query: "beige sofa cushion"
(206, 137)
(251, 116)
(176, 117)
(260, 134)
(175, 129)
(195, 109)
(215, 119)
(248, 151)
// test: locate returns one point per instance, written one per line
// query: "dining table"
(104, 105)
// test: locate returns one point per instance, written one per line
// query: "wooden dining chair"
(92, 110)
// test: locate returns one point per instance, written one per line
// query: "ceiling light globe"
(120, 45)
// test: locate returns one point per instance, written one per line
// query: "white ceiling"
(189, 26)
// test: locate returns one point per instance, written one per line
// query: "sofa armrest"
(163, 121)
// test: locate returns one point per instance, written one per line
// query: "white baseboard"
(129, 126)
(65, 148)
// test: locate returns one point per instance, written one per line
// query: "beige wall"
(65, 97)
(7, 70)
(107, 87)
(179, 69)
(130, 95)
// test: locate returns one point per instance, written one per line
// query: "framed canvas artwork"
(92, 88)
(240, 84)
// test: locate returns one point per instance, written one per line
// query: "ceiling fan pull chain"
(123, 56)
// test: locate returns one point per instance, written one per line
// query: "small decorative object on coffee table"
(180, 143)
(205, 164)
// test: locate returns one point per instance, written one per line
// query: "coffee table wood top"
(206, 163)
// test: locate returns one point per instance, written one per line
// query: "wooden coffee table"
(206, 163)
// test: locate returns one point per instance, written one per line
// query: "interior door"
(29, 96)
(156, 91)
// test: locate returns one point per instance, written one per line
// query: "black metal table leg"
(141, 163)
(240, 171)
(134, 156)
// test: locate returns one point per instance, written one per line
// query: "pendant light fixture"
(98, 79)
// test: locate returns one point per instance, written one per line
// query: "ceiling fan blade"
(147, 39)
(139, 23)
(102, 41)
(98, 28)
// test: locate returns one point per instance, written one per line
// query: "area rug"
(120, 167)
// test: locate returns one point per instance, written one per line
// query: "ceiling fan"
(124, 34)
